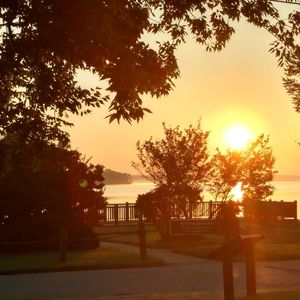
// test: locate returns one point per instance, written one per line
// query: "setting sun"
(237, 137)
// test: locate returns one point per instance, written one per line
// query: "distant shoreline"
(126, 183)
(115, 178)
(277, 178)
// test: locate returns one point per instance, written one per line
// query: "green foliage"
(227, 219)
(258, 170)
(158, 207)
(253, 167)
(178, 164)
(211, 24)
(43, 44)
(225, 173)
(46, 182)
(179, 160)
(40, 232)
(53, 186)
(180, 167)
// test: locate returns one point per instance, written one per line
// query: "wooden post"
(116, 213)
(63, 244)
(270, 216)
(142, 239)
(210, 209)
(105, 213)
(295, 210)
(228, 272)
(190, 210)
(250, 270)
(126, 211)
(282, 209)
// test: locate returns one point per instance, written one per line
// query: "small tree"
(178, 164)
(157, 207)
(258, 170)
(252, 167)
(226, 172)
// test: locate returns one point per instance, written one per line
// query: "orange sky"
(241, 84)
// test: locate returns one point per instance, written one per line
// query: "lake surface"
(120, 193)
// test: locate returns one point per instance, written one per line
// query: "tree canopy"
(184, 173)
(179, 161)
(252, 168)
(48, 181)
(225, 173)
(178, 164)
(44, 187)
(259, 170)
(44, 43)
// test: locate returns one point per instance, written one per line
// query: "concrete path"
(183, 277)
(165, 255)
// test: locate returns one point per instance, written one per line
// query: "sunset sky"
(240, 85)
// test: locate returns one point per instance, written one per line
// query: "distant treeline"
(114, 177)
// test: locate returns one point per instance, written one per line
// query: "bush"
(41, 233)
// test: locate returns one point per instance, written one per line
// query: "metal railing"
(122, 212)
(128, 212)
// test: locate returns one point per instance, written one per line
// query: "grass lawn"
(282, 242)
(286, 295)
(100, 258)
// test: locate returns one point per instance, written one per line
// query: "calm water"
(120, 193)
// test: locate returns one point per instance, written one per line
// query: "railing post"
(116, 213)
(192, 210)
(126, 211)
(270, 216)
(105, 212)
(210, 209)
(295, 210)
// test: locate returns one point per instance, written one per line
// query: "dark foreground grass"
(21, 298)
(286, 295)
(283, 295)
(100, 258)
(281, 242)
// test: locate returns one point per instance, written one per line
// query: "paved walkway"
(183, 277)
(165, 255)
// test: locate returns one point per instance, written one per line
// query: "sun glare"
(237, 137)
(237, 192)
